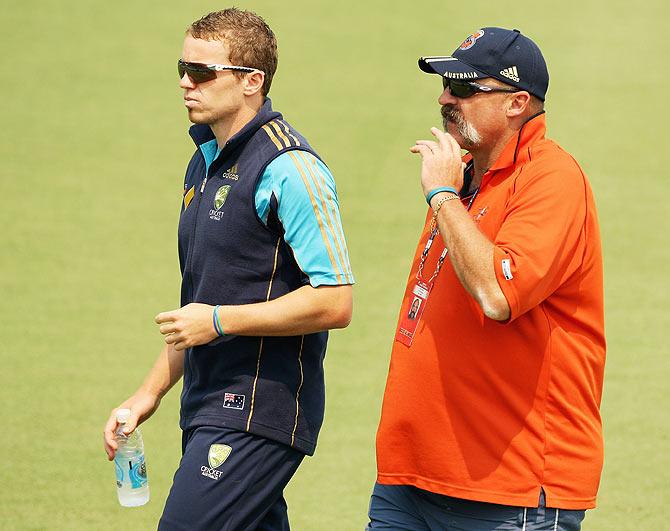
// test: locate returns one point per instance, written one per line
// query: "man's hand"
(188, 326)
(142, 405)
(441, 161)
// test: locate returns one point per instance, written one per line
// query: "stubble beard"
(469, 135)
(205, 117)
(195, 117)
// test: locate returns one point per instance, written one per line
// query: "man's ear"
(253, 82)
(517, 104)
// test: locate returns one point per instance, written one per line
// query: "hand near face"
(188, 326)
(441, 163)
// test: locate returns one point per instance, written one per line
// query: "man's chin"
(197, 117)
(452, 129)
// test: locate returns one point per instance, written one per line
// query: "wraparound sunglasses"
(200, 72)
(465, 89)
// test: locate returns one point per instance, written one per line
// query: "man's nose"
(447, 97)
(186, 82)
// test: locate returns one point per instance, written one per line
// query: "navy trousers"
(406, 508)
(229, 481)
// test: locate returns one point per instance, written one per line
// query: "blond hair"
(250, 40)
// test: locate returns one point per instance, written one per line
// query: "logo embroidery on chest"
(480, 214)
(231, 173)
(219, 200)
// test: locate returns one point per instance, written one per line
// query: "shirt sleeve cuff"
(504, 270)
(331, 280)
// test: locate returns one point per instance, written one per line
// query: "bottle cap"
(122, 415)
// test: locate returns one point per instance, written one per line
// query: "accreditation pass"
(412, 312)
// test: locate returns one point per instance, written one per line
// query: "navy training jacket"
(269, 386)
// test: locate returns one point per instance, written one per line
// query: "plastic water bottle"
(131, 470)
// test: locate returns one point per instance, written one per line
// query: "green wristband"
(217, 322)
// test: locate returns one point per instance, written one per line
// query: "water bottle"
(131, 470)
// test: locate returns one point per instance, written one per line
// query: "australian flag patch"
(233, 401)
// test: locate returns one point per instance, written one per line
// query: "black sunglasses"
(199, 72)
(464, 89)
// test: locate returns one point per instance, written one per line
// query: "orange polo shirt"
(491, 411)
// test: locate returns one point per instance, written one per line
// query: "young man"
(265, 274)
(491, 411)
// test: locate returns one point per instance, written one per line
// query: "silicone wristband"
(217, 322)
(435, 191)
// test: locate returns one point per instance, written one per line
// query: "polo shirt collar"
(202, 133)
(514, 152)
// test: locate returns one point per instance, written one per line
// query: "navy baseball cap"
(503, 54)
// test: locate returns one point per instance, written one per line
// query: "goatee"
(470, 135)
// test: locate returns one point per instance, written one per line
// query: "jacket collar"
(515, 151)
(202, 133)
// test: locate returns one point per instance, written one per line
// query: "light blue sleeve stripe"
(332, 207)
(323, 190)
(309, 212)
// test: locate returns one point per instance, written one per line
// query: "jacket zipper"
(192, 239)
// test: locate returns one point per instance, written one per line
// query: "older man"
(491, 411)
(265, 274)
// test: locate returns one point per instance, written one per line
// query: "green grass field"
(93, 147)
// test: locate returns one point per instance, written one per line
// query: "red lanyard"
(443, 255)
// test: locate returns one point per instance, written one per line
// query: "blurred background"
(93, 148)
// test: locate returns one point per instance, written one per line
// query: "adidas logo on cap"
(510, 73)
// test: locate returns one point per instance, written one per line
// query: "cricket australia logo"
(219, 200)
(218, 453)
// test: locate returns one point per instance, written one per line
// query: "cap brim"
(450, 67)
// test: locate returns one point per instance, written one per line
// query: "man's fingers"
(441, 136)
(172, 338)
(131, 423)
(181, 345)
(422, 149)
(169, 328)
(110, 451)
(165, 317)
(108, 436)
(431, 144)
(446, 140)
(110, 444)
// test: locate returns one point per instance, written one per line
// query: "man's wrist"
(435, 200)
(439, 190)
(150, 392)
(216, 321)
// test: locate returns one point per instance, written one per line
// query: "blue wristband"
(436, 191)
(217, 322)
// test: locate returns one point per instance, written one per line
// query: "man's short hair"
(535, 106)
(251, 41)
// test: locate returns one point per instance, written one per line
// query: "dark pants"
(406, 508)
(235, 485)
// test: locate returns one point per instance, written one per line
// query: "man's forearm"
(303, 311)
(471, 254)
(167, 370)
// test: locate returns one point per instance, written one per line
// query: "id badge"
(412, 314)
